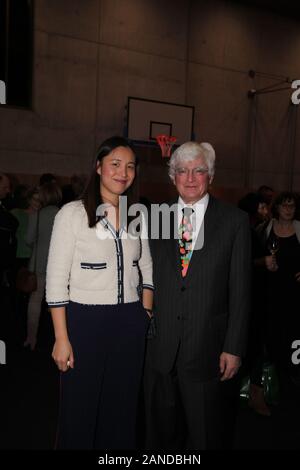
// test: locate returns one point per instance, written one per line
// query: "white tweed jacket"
(94, 266)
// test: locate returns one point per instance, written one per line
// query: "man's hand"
(229, 365)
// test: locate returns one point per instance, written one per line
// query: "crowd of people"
(177, 320)
(26, 220)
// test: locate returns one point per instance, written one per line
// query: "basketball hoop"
(166, 143)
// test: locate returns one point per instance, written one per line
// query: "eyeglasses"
(198, 171)
(288, 205)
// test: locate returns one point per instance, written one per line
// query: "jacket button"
(178, 318)
(182, 289)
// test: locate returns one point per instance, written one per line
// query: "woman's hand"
(63, 354)
(149, 312)
(271, 264)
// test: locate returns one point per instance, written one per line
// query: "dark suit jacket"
(205, 313)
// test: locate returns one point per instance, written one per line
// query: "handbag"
(269, 383)
(26, 281)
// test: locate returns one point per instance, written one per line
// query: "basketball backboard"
(148, 118)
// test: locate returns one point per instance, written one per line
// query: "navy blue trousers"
(99, 397)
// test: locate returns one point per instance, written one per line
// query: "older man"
(201, 299)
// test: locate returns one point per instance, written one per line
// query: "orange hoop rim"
(166, 143)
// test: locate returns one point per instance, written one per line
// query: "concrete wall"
(90, 55)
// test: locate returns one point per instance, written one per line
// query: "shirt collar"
(202, 202)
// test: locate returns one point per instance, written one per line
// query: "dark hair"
(267, 192)
(3, 176)
(265, 188)
(50, 194)
(91, 195)
(250, 203)
(47, 178)
(282, 197)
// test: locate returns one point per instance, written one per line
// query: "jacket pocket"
(95, 266)
(135, 274)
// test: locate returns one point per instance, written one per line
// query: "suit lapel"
(172, 246)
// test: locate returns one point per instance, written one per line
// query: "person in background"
(34, 202)
(46, 178)
(255, 206)
(74, 190)
(268, 195)
(21, 211)
(38, 238)
(99, 321)
(8, 247)
(282, 238)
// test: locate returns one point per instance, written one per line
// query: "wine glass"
(273, 245)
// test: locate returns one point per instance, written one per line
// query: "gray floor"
(29, 403)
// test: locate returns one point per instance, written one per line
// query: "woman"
(23, 208)
(99, 322)
(282, 238)
(254, 204)
(38, 236)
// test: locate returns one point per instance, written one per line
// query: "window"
(16, 52)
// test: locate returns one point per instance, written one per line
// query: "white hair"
(190, 151)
